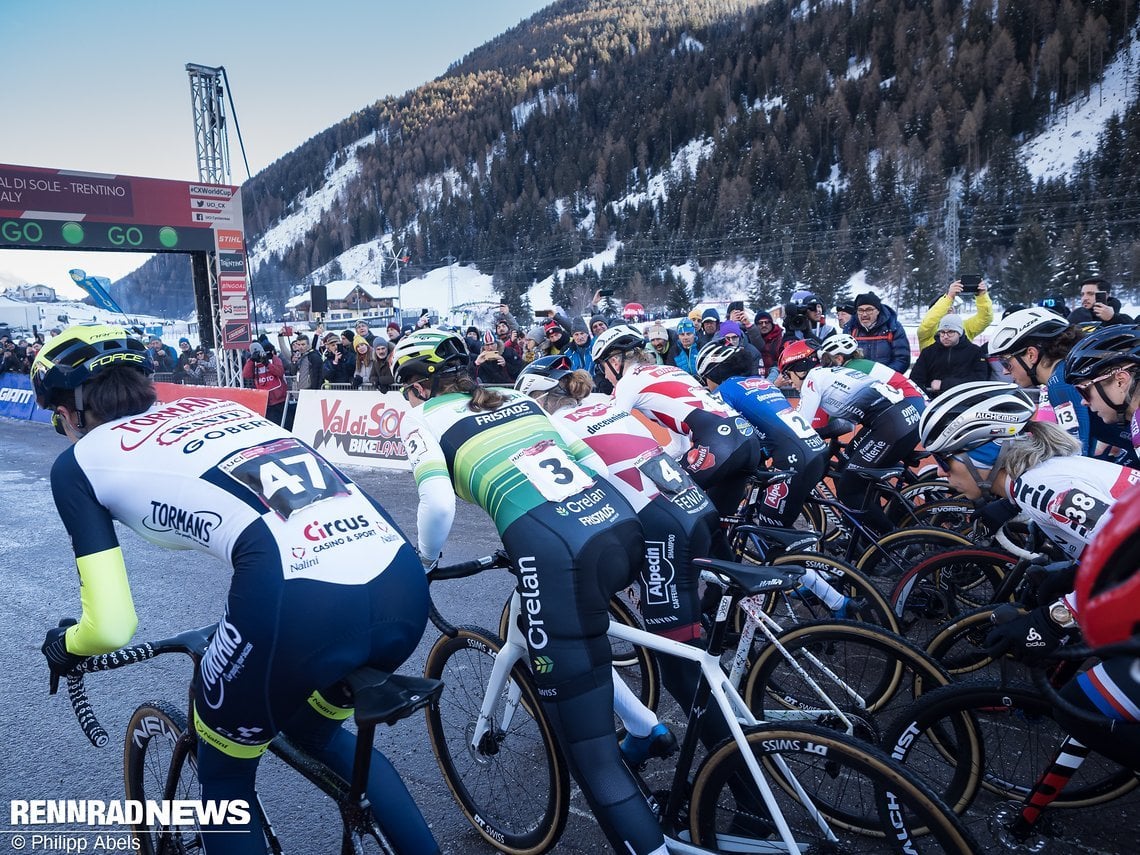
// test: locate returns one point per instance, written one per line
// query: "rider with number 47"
(573, 540)
(323, 581)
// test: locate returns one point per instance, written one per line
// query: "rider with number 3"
(323, 581)
(573, 540)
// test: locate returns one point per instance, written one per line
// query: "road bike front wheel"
(158, 751)
(871, 804)
(513, 785)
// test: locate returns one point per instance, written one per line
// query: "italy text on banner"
(353, 427)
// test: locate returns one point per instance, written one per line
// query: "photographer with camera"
(1097, 304)
(267, 372)
(804, 319)
(983, 315)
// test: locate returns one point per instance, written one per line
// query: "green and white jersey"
(508, 461)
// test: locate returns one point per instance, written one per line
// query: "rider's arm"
(108, 620)
(810, 396)
(437, 496)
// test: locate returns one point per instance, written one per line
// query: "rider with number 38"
(323, 581)
(573, 540)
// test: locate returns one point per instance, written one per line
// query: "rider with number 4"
(724, 449)
(885, 410)
(985, 440)
(323, 581)
(784, 435)
(574, 542)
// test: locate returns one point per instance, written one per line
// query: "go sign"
(83, 234)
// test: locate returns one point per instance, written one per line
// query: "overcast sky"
(102, 86)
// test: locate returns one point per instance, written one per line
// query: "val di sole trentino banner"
(353, 427)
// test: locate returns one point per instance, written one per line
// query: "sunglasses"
(1007, 361)
(552, 333)
(944, 460)
(1085, 388)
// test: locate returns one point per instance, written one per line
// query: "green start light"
(72, 233)
(168, 237)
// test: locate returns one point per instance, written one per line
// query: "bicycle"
(159, 755)
(729, 801)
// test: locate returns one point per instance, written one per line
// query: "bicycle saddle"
(382, 697)
(752, 578)
(876, 474)
(765, 477)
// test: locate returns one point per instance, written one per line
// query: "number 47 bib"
(551, 471)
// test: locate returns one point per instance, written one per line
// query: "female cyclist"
(784, 435)
(323, 581)
(1033, 344)
(573, 540)
(985, 439)
(724, 449)
(887, 419)
(1104, 367)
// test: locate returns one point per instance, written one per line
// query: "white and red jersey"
(624, 443)
(668, 395)
(1068, 497)
(887, 375)
(845, 393)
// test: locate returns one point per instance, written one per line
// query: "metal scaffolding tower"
(207, 98)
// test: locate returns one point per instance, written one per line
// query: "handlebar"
(1079, 653)
(496, 560)
(193, 643)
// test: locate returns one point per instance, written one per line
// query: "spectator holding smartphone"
(983, 313)
(1097, 304)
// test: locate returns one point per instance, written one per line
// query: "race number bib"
(798, 424)
(889, 392)
(285, 475)
(551, 471)
(665, 474)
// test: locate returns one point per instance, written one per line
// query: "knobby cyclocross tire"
(872, 804)
(944, 586)
(977, 734)
(637, 666)
(884, 671)
(895, 553)
(158, 749)
(959, 646)
(951, 514)
(514, 787)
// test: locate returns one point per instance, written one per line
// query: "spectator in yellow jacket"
(983, 315)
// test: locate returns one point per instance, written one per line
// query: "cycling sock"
(822, 589)
(636, 716)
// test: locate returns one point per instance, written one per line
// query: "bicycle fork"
(484, 741)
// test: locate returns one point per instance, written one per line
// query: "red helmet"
(795, 353)
(1108, 584)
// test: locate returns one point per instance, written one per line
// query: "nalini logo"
(298, 552)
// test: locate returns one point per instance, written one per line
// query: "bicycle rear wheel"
(158, 751)
(899, 551)
(946, 585)
(857, 788)
(844, 578)
(513, 787)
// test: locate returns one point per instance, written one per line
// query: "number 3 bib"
(551, 471)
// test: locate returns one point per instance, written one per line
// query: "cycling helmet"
(543, 374)
(79, 353)
(1027, 327)
(841, 344)
(798, 356)
(1107, 584)
(1101, 351)
(617, 339)
(429, 352)
(972, 414)
(713, 354)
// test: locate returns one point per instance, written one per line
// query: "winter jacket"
(962, 363)
(686, 360)
(769, 345)
(269, 376)
(982, 318)
(1081, 315)
(580, 356)
(886, 342)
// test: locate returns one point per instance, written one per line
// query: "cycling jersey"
(1068, 497)
(724, 446)
(886, 374)
(786, 437)
(679, 520)
(847, 393)
(323, 580)
(574, 542)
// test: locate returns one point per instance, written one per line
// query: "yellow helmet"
(79, 353)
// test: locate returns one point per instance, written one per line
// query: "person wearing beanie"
(732, 334)
(845, 313)
(880, 335)
(952, 360)
(983, 314)
(186, 360)
(556, 339)
(661, 345)
(710, 326)
(490, 366)
(685, 356)
(393, 331)
(267, 372)
(578, 352)
(598, 325)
